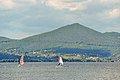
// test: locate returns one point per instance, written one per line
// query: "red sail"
(59, 59)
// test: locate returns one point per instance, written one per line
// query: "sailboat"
(21, 60)
(60, 61)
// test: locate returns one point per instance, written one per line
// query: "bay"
(69, 71)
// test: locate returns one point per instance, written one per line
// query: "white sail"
(60, 61)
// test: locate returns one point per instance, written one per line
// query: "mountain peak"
(75, 24)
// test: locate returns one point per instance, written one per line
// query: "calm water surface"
(69, 71)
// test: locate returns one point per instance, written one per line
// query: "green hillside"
(4, 39)
(113, 34)
(70, 36)
(4, 42)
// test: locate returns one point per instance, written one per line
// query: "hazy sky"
(23, 18)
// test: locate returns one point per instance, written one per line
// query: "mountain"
(70, 37)
(70, 34)
(4, 42)
(4, 39)
(113, 34)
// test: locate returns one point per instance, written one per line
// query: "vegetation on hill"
(67, 38)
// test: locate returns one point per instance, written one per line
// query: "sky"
(23, 18)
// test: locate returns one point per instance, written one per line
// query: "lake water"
(69, 71)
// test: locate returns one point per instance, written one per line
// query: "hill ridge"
(70, 36)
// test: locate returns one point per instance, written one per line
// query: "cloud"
(114, 13)
(26, 2)
(111, 14)
(29, 17)
(7, 4)
(12, 4)
(68, 5)
(15, 34)
(114, 28)
(110, 1)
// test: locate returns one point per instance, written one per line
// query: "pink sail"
(21, 60)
